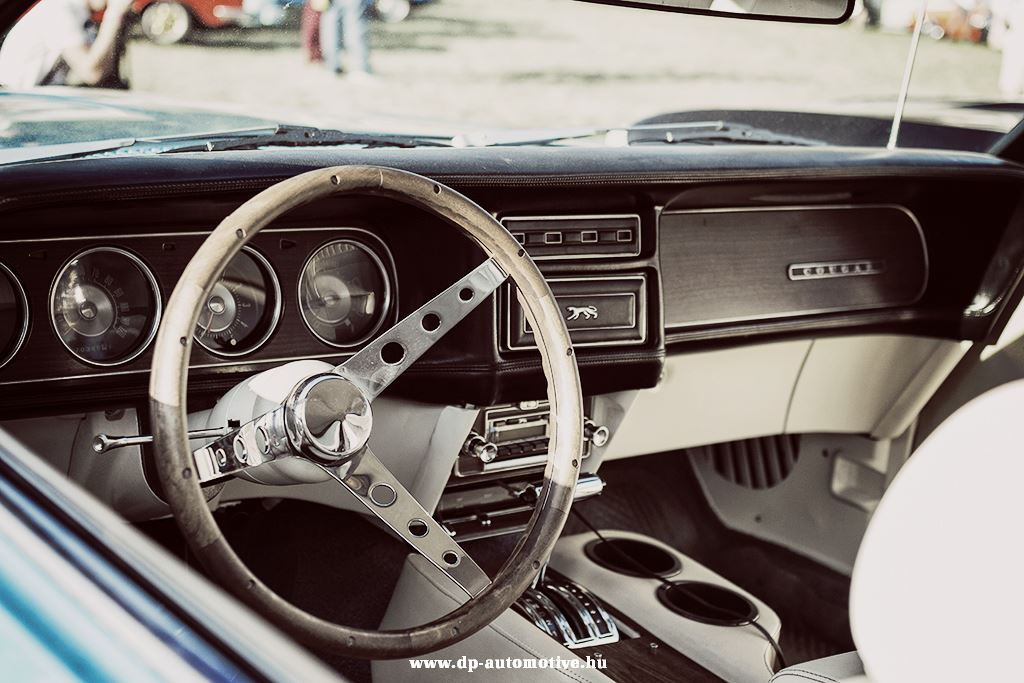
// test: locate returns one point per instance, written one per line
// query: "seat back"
(938, 585)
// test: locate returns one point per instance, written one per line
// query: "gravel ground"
(538, 63)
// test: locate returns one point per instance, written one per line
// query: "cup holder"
(707, 603)
(616, 554)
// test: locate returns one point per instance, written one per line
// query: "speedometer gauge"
(13, 315)
(105, 306)
(243, 309)
(344, 293)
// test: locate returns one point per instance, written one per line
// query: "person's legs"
(355, 30)
(310, 30)
(330, 36)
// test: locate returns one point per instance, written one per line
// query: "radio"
(515, 436)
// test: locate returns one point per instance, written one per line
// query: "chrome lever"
(102, 443)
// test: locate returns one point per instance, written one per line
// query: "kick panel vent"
(557, 237)
(754, 463)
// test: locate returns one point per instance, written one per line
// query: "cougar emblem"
(585, 312)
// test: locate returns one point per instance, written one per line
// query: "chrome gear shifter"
(567, 612)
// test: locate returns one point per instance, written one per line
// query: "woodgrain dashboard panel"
(732, 265)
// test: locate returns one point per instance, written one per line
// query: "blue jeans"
(344, 29)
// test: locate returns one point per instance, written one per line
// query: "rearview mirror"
(806, 11)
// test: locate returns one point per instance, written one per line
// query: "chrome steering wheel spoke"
(383, 495)
(256, 442)
(381, 362)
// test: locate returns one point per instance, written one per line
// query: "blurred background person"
(57, 43)
(344, 37)
(1011, 73)
(312, 12)
(873, 10)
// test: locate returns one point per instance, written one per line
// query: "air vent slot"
(754, 463)
(572, 237)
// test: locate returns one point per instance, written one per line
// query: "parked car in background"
(171, 21)
(394, 11)
(966, 20)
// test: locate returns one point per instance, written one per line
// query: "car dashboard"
(651, 253)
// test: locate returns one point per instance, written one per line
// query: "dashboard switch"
(478, 447)
(597, 434)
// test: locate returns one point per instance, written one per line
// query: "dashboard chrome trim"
(157, 297)
(19, 294)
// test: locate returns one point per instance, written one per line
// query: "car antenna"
(901, 100)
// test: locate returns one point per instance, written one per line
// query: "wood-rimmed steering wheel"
(327, 417)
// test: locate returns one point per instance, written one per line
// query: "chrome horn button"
(328, 418)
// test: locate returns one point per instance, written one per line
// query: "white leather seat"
(938, 585)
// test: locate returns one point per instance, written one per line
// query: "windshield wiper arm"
(304, 136)
(243, 138)
(713, 132)
(697, 132)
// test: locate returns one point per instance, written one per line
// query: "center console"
(499, 470)
(673, 600)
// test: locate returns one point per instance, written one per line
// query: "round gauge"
(344, 293)
(13, 315)
(243, 309)
(105, 306)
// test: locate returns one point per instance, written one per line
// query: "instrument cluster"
(106, 298)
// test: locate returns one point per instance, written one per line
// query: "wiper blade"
(698, 132)
(243, 138)
(712, 132)
(302, 136)
(61, 151)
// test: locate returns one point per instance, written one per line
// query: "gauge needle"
(209, 324)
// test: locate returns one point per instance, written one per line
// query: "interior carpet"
(658, 495)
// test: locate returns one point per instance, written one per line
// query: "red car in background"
(171, 21)
(967, 20)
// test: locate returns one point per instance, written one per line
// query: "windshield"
(473, 70)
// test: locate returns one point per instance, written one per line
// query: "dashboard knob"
(478, 447)
(598, 434)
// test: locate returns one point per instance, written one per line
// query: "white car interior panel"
(710, 397)
(868, 385)
(860, 385)
(822, 506)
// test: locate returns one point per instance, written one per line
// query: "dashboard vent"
(755, 463)
(572, 237)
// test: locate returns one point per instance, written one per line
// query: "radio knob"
(598, 434)
(480, 448)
